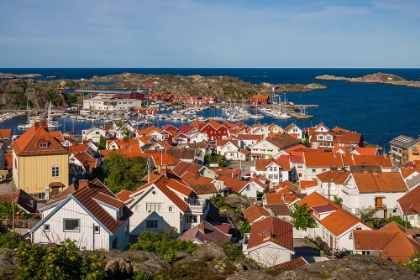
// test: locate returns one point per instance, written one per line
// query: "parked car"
(343, 253)
(246, 177)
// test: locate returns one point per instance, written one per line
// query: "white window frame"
(55, 171)
(75, 229)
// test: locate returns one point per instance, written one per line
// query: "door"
(378, 202)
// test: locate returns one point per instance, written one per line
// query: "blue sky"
(211, 33)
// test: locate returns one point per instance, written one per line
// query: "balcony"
(197, 205)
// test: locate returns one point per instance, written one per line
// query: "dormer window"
(43, 144)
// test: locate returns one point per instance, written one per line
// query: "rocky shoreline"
(382, 78)
(15, 93)
(24, 76)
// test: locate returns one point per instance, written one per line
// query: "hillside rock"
(209, 251)
(382, 78)
(15, 93)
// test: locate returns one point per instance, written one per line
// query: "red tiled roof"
(205, 231)
(334, 176)
(182, 167)
(97, 190)
(235, 185)
(5, 133)
(290, 265)
(124, 195)
(337, 222)
(28, 144)
(255, 212)
(271, 229)
(322, 159)
(200, 184)
(379, 182)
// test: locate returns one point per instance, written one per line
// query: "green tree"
(163, 244)
(124, 173)
(338, 200)
(62, 262)
(399, 221)
(102, 143)
(302, 218)
(414, 263)
(9, 240)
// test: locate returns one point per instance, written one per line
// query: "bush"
(62, 262)
(9, 240)
(162, 243)
(233, 251)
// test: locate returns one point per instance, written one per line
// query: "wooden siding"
(269, 254)
(85, 237)
(33, 173)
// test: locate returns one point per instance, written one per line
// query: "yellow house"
(40, 163)
(275, 128)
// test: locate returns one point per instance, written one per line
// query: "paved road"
(6, 186)
(243, 164)
(304, 249)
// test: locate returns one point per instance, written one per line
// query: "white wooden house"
(276, 170)
(165, 203)
(334, 225)
(93, 134)
(92, 216)
(270, 242)
(379, 191)
(229, 148)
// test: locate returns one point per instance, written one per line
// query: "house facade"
(38, 151)
(270, 242)
(165, 203)
(404, 149)
(91, 216)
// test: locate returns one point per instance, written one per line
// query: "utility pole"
(13, 207)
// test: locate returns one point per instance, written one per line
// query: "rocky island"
(18, 92)
(382, 78)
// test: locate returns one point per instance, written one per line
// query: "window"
(152, 224)
(71, 225)
(275, 168)
(43, 145)
(271, 168)
(46, 228)
(300, 175)
(276, 176)
(248, 188)
(170, 208)
(270, 176)
(154, 207)
(313, 170)
(96, 229)
(190, 219)
(55, 171)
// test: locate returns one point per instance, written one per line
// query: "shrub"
(162, 243)
(9, 240)
(62, 262)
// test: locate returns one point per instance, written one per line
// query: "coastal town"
(267, 189)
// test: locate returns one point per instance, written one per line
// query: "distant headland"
(382, 78)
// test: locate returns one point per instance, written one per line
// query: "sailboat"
(29, 123)
(50, 121)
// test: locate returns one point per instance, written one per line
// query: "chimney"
(383, 255)
(83, 183)
(201, 227)
(44, 124)
(164, 170)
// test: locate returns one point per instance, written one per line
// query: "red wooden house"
(260, 99)
(215, 130)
